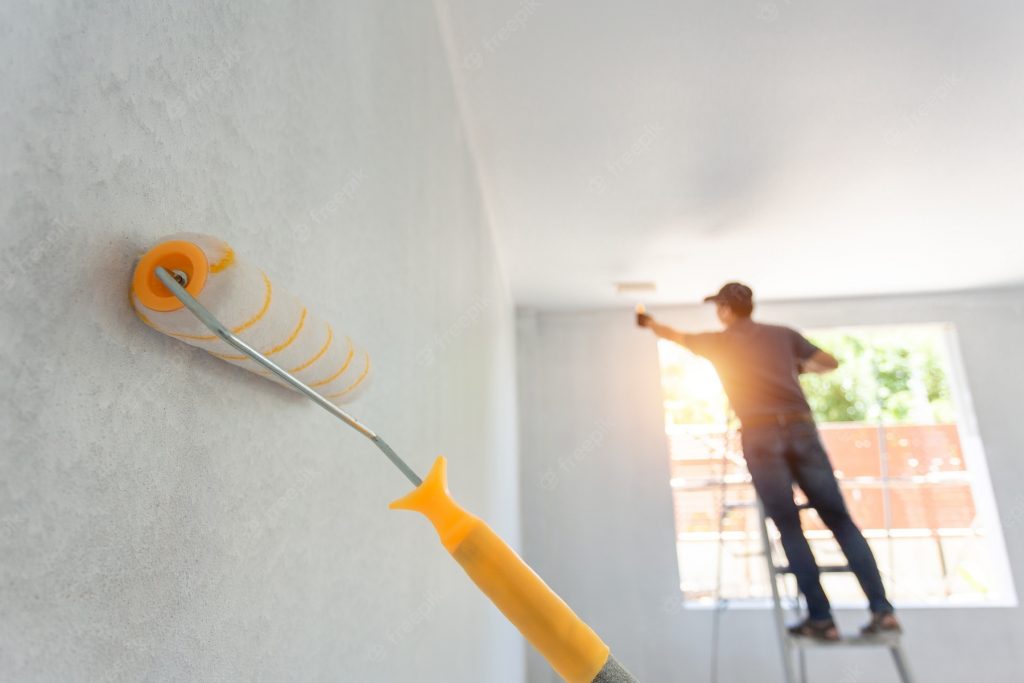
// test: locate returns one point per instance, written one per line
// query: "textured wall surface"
(597, 509)
(164, 516)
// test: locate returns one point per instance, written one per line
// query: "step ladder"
(794, 648)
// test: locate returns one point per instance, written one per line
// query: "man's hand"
(820, 363)
(663, 331)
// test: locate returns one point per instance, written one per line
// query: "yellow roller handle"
(570, 646)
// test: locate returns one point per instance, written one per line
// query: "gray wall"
(164, 516)
(598, 513)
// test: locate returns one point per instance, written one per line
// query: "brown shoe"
(882, 623)
(824, 629)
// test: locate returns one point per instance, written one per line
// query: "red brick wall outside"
(932, 451)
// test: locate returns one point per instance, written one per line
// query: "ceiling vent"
(634, 288)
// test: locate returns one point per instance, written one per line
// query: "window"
(899, 428)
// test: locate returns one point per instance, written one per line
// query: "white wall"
(598, 514)
(164, 516)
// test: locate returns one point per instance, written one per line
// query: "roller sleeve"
(245, 299)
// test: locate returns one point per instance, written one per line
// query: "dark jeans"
(778, 457)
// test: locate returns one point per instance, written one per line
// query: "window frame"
(978, 478)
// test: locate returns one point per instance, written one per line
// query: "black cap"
(732, 293)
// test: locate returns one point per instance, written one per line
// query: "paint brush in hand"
(642, 319)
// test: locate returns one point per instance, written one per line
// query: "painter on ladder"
(759, 366)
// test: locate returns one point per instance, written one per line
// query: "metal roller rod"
(218, 328)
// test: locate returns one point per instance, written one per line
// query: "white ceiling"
(808, 148)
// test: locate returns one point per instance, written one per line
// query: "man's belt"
(777, 420)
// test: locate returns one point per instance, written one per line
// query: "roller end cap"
(175, 255)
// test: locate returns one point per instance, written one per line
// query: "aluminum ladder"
(794, 648)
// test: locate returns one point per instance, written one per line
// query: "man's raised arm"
(663, 331)
(820, 363)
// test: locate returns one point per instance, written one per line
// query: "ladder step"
(740, 506)
(750, 504)
(890, 640)
(827, 569)
(788, 643)
(789, 602)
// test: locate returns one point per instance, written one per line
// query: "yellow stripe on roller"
(343, 368)
(295, 333)
(280, 347)
(194, 337)
(350, 387)
(244, 326)
(321, 352)
(225, 261)
(224, 356)
(263, 311)
(142, 316)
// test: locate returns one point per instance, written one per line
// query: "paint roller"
(244, 297)
(196, 289)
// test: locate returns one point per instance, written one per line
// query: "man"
(759, 367)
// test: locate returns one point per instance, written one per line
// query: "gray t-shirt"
(758, 365)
